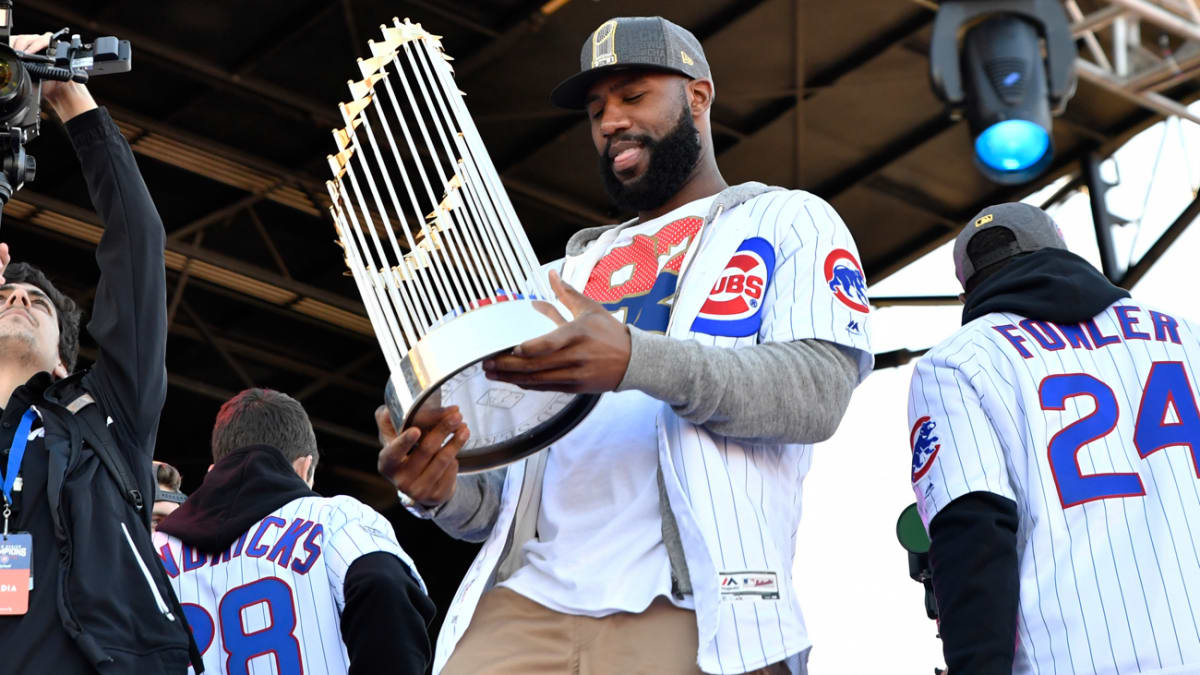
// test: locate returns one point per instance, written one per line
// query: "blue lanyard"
(15, 454)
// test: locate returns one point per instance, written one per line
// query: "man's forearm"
(71, 100)
(973, 557)
(783, 392)
(385, 617)
(472, 511)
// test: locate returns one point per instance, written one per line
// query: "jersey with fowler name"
(272, 602)
(1093, 430)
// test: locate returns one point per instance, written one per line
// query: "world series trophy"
(464, 287)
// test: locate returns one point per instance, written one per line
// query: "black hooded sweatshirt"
(386, 613)
(973, 540)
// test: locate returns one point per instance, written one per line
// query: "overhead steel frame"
(316, 112)
(1133, 73)
(1085, 26)
(1141, 87)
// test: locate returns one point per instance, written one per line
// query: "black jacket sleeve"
(385, 617)
(973, 557)
(129, 317)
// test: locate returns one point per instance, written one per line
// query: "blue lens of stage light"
(1012, 145)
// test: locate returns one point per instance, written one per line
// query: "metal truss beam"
(221, 394)
(1101, 219)
(290, 188)
(211, 339)
(273, 358)
(54, 206)
(1149, 100)
(878, 161)
(330, 377)
(223, 213)
(243, 279)
(278, 98)
(1139, 269)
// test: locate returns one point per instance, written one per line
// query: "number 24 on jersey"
(1166, 416)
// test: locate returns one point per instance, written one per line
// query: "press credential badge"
(16, 558)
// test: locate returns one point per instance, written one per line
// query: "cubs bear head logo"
(924, 445)
(846, 279)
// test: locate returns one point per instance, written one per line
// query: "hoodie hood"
(240, 490)
(1046, 285)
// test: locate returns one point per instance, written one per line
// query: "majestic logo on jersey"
(925, 446)
(637, 280)
(734, 305)
(846, 280)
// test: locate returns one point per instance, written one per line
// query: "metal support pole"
(1121, 46)
(1135, 273)
(1100, 216)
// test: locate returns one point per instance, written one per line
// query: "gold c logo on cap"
(687, 60)
(603, 44)
(984, 220)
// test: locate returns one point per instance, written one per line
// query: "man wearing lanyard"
(81, 590)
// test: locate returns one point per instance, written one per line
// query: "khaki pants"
(513, 635)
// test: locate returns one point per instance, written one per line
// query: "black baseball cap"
(1033, 229)
(632, 42)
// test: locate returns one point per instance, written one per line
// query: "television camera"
(21, 77)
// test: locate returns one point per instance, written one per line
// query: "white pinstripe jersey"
(1093, 430)
(272, 602)
(778, 267)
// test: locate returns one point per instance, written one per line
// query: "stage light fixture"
(1010, 73)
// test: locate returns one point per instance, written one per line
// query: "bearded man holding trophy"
(627, 428)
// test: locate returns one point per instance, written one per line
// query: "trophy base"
(507, 423)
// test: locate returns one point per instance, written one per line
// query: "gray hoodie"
(794, 392)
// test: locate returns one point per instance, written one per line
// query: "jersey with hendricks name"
(1093, 430)
(272, 601)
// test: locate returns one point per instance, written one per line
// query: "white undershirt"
(599, 547)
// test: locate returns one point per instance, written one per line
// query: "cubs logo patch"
(846, 279)
(734, 305)
(924, 445)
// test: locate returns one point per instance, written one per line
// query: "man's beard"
(672, 159)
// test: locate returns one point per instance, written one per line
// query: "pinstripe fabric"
(1110, 577)
(308, 545)
(737, 504)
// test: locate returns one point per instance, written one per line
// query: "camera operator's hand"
(67, 99)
